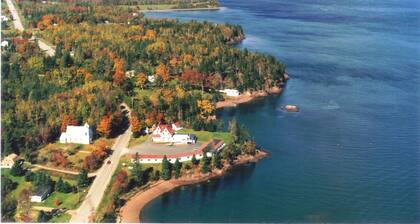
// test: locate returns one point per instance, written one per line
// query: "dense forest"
(164, 69)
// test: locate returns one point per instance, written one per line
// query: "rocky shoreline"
(247, 97)
(131, 211)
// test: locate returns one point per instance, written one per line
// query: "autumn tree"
(104, 126)
(141, 80)
(162, 72)
(135, 126)
(193, 77)
(119, 75)
(206, 108)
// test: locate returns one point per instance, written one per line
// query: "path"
(50, 51)
(61, 171)
(96, 191)
(16, 20)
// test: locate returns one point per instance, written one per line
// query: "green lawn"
(69, 200)
(205, 136)
(62, 218)
(22, 184)
(136, 141)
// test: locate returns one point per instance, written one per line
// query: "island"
(102, 106)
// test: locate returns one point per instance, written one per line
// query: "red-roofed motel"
(165, 133)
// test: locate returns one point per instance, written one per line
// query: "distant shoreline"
(131, 211)
(182, 9)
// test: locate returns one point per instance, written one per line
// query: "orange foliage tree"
(119, 75)
(68, 119)
(135, 125)
(162, 72)
(104, 126)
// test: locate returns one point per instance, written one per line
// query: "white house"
(230, 92)
(40, 194)
(130, 73)
(151, 78)
(163, 133)
(77, 134)
(9, 161)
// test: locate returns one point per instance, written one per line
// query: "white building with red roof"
(166, 133)
(163, 133)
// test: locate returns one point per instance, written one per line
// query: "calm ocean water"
(352, 153)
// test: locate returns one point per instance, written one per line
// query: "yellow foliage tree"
(206, 108)
(141, 80)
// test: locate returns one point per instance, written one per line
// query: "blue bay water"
(352, 153)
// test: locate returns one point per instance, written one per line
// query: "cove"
(352, 153)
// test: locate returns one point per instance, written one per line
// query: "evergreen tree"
(82, 179)
(137, 171)
(66, 60)
(177, 168)
(166, 169)
(217, 162)
(156, 175)
(43, 217)
(59, 185)
(205, 161)
(194, 160)
(17, 169)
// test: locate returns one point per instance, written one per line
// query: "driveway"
(150, 148)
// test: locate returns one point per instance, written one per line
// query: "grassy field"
(74, 153)
(205, 136)
(61, 219)
(136, 141)
(69, 200)
(22, 184)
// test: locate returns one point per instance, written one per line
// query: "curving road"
(85, 213)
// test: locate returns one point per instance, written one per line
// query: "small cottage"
(40, 194)
(230, 92)
(77, 134)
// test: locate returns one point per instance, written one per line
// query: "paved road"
(85, 213)
(50, 51)
(16, 20)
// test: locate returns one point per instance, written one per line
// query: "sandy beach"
(247, 97)
(129, 213)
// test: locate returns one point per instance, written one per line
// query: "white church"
(77, 134)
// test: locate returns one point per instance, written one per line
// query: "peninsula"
(100, 103)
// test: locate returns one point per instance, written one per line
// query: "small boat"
(290, 108)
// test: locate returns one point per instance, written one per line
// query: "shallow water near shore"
(352, 153)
